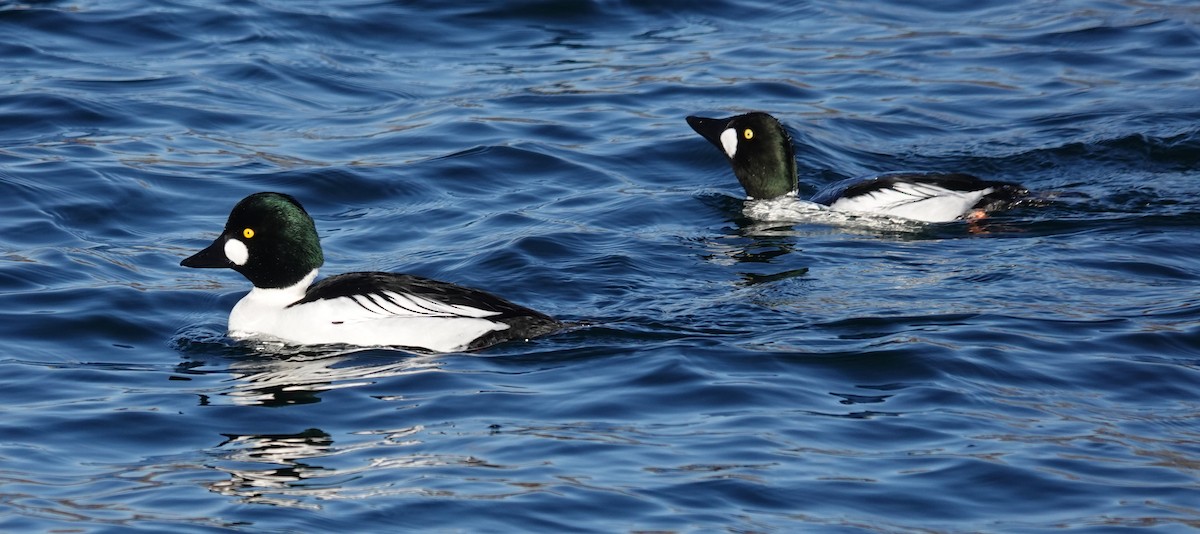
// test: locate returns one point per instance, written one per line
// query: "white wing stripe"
(924, 202)
(367, 299)
(418, 306)
(390, 303)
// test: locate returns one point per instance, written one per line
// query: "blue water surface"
(1036, 371)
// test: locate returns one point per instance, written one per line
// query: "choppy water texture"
(1037, 371)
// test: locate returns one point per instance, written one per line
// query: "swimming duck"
(760, 151)
(272, 241)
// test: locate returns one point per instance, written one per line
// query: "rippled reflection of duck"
(764, 162)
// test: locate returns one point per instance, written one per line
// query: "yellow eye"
(248, 233)
(748, 133)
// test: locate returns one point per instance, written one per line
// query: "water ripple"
(750, 366)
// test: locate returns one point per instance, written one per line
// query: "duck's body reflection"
(299, 377)
(299, 469)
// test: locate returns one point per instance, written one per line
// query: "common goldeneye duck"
(764, 162)
(272, 241)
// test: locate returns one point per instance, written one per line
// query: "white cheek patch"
(729, 142)
(237, 252)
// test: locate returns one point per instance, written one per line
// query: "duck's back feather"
(927, 196)
(375, 283)
(392, 296)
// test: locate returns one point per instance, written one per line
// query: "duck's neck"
(772, 178)
(283, 295)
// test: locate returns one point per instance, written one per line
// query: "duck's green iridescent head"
(269, 238)
(759, 149)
